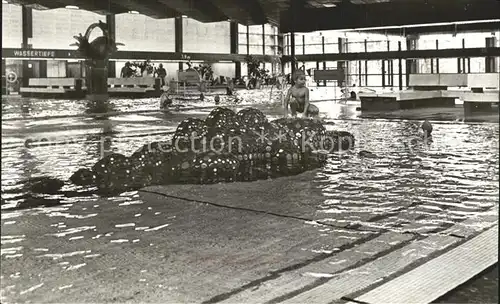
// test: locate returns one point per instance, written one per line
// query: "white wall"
(142, 33)
(450, 41)
(56, 68)
(54, 29)
(224, 69)
(201, 37)
(12, 26)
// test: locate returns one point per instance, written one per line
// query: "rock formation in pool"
(225, 147)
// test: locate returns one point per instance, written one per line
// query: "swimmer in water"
(298, 98)
(427, 128)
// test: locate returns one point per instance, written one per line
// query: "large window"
(258, 39)
(378, 73)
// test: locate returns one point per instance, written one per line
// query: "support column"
(263, 40)
(303, 44)
(292, 51)
(27, 30)
(43, 68)
(400, 69)
(178, 38)
(4, 77)
(110, 21)
(27, 18)
(97, 80)
(411, 64)
(342, 65)
(359, 74)
(383, 73)
(366, 64)
(234, 43)
(281, 51)
(263, 43)
(384, 82)
(295, 8)
(390, 67)
(248, 40)
(491, 64)
(317, 68)
(466, 61)
(437, 59)
(324, 62)
(391, 73)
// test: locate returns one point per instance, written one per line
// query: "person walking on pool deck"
(161, 73)
(298, 97)
(126, 71)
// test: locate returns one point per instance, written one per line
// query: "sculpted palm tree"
(96, 54)
(101, 48)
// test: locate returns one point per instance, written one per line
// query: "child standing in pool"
(298, 97)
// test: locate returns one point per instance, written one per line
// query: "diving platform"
(479, 93)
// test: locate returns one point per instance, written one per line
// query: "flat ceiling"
(295, 15)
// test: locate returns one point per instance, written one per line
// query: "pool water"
(437, 183)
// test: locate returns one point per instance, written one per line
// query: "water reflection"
(407, 173)
(429, 185)
(100, 107)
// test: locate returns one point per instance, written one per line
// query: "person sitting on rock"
(298, 97)
(165, 101)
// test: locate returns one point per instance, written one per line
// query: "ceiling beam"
(34, 4)
(445, 28)
(151, 8)
(389, 14)
(272, 10)
(201, 10)
(415, 54)
(254, 9)
(100, 7)
(233, 11)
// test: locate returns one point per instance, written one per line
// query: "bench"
(54, 87)
(432, 90)
(135, 86)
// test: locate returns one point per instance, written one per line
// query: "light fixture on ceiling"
(4, 2)
(329, 5)
(133, 12)
(72, 7)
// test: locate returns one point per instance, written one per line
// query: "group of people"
(297, 100)
(146, 69)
